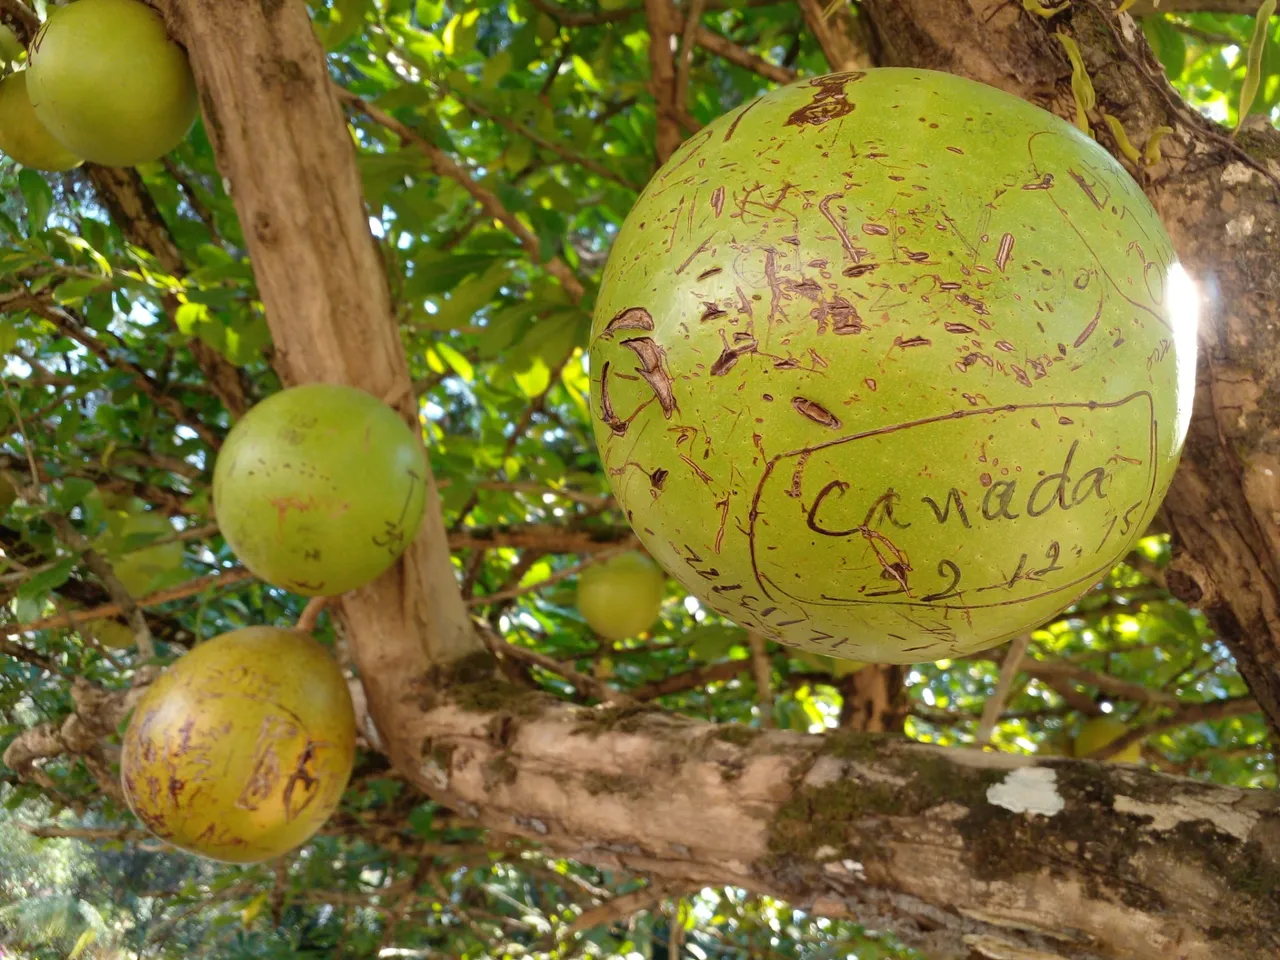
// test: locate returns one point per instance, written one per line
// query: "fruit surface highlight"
(891, 365)
(621, 596)
(109, 84)
(241, 750)
(1100, 731)
(22, 136)
(320, 488)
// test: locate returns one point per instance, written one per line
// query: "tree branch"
(834, 34)
(662, 76)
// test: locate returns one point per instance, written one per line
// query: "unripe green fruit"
(1100, 731)
(891, 365)
(109, 83)
(242, 749)
(22, 136)
(320, 488)
(11, 47)
(138, 569)
(621, 596)
(112, 634)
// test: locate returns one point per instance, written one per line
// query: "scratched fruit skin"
(1097, 733)
(242, 749)
(109, 83)
(891, 365)
(622, 596)
(320, 488)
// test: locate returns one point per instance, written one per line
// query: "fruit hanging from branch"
(891, 365)
(1098, 732)
(110, 85)
(242, 749)
(622, 596)
(320, 488)
(22, 136)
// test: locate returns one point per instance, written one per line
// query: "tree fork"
(280, 139)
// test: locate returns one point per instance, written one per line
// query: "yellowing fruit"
(22, 136)
(319, 488)
(109, 84)
(1100, 731)
(241, 750)
(621, 596)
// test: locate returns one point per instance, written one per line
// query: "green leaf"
(1253, 60)
(461, 365)
(46, 581)
(436, 271)
(39, 197)
(470, 296)
(70, 492)
(77, 288)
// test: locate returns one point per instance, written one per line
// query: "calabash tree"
(417, 200)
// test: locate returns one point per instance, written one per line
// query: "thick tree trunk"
(963, 852)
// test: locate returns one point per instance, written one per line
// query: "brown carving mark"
(875, 229)
(797, 475)
(1092, 325)
(956, 150)
(301, 775)
(724, 520)
(829, 103)
(653, 362)
(744, 303)
(616, 425)
(808, 288)
(859, 269)
(733, 127)
(689, 259)
(1093, 197)
(730, 357)
(977, 306)
(916, 341)
(1021, 376)
(949, 285)
(711, 311)
(1004, 345)
(824, 207)
(658, 478)
(701, 474)
(1005, 251)
(952, 327)
(632, 318)
(775, 286)
(710, 273)
(717, 200)
(843, 315)
(1044, 183)
(815, 412)
(788, 363)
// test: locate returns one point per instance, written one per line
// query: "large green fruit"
(241, 750)
(320, 488)
(891, 365)
(621, 596)
(1097, 733)
(109, 83)
(22, 136)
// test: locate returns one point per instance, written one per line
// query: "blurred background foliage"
(546, 109)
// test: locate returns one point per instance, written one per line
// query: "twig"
(197, 205)
(662, 76)
(587, 685)
(688, 39)
(556, 577)
(992, 709)
(691, 679)
(722, 46)
(837, 46)
(190, 588)
(762, 671)
(22, 16)
(311, 614)
(445, 166)
(1186, 715)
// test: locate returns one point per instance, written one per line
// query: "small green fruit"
(22, 136)
(622, 596)
(11, 47)
(891, 365)
(109, 83)
(242, 749)
(1100, 731)
(320, 488)
(112, 634)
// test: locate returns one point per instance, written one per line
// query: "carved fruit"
(891, 365)
(22, 136)
(1097, 733)
(139, 569)
(241, 750)
(320, 488)
(109, 83)
(621, 596)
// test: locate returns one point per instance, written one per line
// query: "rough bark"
(1220, 201)
(280, 138)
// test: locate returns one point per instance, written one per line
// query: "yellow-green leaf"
(252, 909)
(1122, 138)
(1040, 10)
(1151, 153)
(1253, 70)
(82, 943)
(1125, 6)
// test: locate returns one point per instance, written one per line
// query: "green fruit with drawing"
(891, 365)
